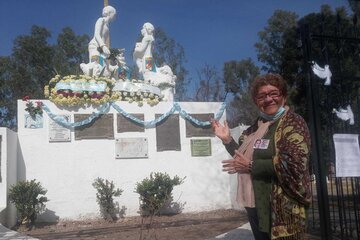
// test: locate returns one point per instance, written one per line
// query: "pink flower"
(26, 98)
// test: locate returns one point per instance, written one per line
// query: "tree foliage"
(238, 76)
(168, 51)
(274, 48)
(210, 86)
(70, 51)
(33, 63)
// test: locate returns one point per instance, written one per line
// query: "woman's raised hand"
(221, 131)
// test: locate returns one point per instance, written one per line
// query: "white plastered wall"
(9, 147)
(68, 169)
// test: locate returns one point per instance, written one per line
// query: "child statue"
(98, 50)
(157, 76)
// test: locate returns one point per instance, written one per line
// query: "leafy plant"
(26, 195)
(105, 197)
(31, 108)
(156, 192)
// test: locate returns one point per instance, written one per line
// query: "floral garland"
(78, 90)
(140, 97)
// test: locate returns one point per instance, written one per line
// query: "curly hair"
(273, 79)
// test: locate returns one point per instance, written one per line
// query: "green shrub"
(105, 198)
(26, 195)
(156, 192)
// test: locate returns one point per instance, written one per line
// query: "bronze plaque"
(200, 147)
(101, 127)
(193, 130)
(168, 134)
(126, 125)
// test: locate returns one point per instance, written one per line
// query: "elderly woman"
(273, 174)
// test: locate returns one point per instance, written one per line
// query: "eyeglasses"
(273, 94)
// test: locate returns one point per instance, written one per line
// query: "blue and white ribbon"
(80, 85)
(61, 120)
(147, 124)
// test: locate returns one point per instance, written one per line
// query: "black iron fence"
(335, 209)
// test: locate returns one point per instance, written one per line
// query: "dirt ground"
(202, 225)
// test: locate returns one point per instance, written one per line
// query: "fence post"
(314, 125)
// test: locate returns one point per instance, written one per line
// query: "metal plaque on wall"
(58, 133)
(193, 130)
(168, 134)
(100, 128)
(126, 125)
(200, 147)
(131, 148)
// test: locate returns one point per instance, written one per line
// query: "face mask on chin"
(273, 117)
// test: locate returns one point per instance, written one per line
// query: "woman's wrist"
(250, 166)
(227, 140)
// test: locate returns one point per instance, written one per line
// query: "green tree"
(70, 51)
(31, 65)
(238, 76)
(210, 87)
(5, 92)
(25, 72)
(168, 51)
(273, 45)
(355, 6)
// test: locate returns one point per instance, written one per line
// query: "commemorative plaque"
(168, 134)
(58, 133)
(126, 125)
(193, 130)
(131, 148)
(100, 128)
(200, 147)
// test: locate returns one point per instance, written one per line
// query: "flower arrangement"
(139, 96)
(79, 90)
(32, 109)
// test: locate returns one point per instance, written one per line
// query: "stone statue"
(162, 77)
(142, 54)
(101, 35)
(98, 50)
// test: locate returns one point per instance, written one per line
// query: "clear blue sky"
(211, 31)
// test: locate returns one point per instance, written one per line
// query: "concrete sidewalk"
(7, 234)
(243, 232)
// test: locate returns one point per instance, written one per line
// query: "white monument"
(158, 76)
(162, 78)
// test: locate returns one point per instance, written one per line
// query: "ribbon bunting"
(61, 120)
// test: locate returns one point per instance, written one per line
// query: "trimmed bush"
(28, 200)
(156, 192)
